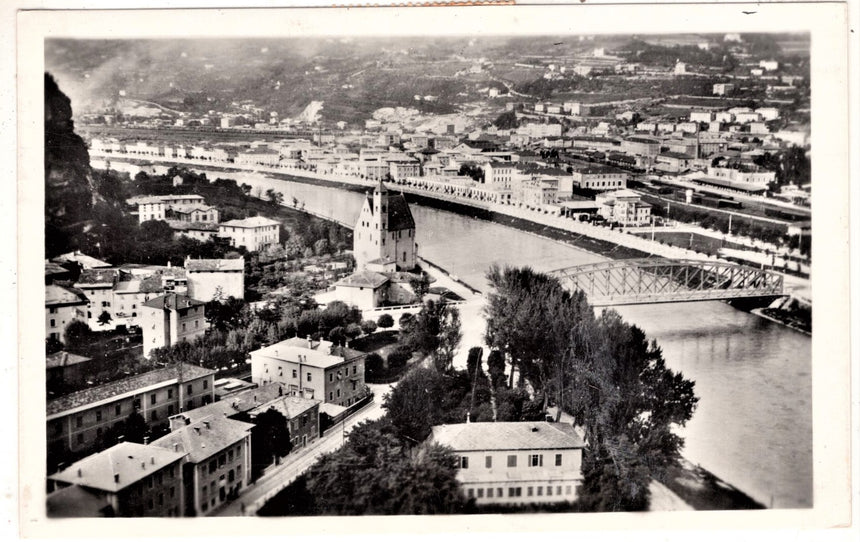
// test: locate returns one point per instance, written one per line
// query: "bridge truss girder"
(652, 280)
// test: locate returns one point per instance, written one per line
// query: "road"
(278, 477)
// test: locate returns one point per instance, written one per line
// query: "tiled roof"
(126, 385)
(507, 436)
(204, 438)
(173, 301)
(251, 222)
(237, 404)
(98, 277)
(87, 262)
(363, 279)
(290, 406)
(236, 264)
(59, 295)
(184, 226)
(64, 359)
(118, 467)
(52, 268)
(399, 215)
(77, 502)
(322, 354)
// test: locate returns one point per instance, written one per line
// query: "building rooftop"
(163, 198)
(112, 390)
(290, 406)
(363, 279)
(145, 285)
(187, 226)
(399, 215)
(190, 207)
(64, 359)
(507, 436)
(59, 295)
(239, 403)
(173, 301)
(90, 278)
(87, 262)
(77, 502)
(322, 354)
(203, 438)
(251, 222)
(52, 268)
(196, 266)
(118, 467)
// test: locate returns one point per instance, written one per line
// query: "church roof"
(399, 215)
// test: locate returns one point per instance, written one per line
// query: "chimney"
(280, 391)
(152, 460)
(146, 440)
(80, 473)
(65, 358)
(206, 423)
(175, 446)
(534, 429)
(468, 417)
(143, 465)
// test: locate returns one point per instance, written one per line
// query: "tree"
(405, 321)
(420, 286)
(413, 405)
(104, 318)
(352, 331)
(77, 334)
(337, 335)
(368, 326)
(436, 332)
(385, 321)
(496, 368)
(270, 438)
(274, 197)
(373, 365)
(136, 429)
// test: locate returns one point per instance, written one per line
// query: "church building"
(384, 236)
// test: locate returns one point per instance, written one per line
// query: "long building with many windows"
(515, 462)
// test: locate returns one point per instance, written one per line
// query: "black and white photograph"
(380, 268)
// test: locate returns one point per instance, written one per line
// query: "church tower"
(384, 235)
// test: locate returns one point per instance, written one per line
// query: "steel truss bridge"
(658, 280)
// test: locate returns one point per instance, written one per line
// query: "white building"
(498, 175)
(385, 231)
(624, 207)
(515, 462)
(169, 319)
(62, 306)
(215, 279)
(253, 233)
(759, 177)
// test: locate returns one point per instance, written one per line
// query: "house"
(193, 213)
(62, 306)
(217, 460)
(155, 207)
(748, 174)
(80, 422)
(641, 146)
(600, 178)
(169, 319)
(201, 231)
(515, 462)
(98, 286)
(365, 289)
(302, 416)
(673, 162)
(723, 89)
(130, 295)
(498, 174)
(312, 369)
(252, 233)
(624, 207)
(66, 368)
(126, 480)
(385, 231)
(215, 279)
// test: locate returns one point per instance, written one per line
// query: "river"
(753, 424)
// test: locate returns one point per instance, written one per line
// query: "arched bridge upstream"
(658, 280)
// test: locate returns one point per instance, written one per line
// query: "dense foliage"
(601, 370)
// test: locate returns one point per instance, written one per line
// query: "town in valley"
(354, 276)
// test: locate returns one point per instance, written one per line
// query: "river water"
(753, 424)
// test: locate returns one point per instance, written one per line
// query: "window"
(540, 491)
(331, 377)
(536, 460)
(231, 476)
(464, 462)
(295, 375)
(488, 462)
(499, 492)
(529, 491)
(189, 388)
(212, 466)
(190, 404)
(170, 410)
(480, 492)
(98, 415)
(152, 399)
(512, 461)
(222, 459)
(511, 492)
(53, 323)
(330, 396)
(470, 493)
(79, 421)
(338, 392)
(230, 455)
(154, 415)
(309, 377)
(170, 393)
(183, 326)
(80, 438)
(557, 460)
